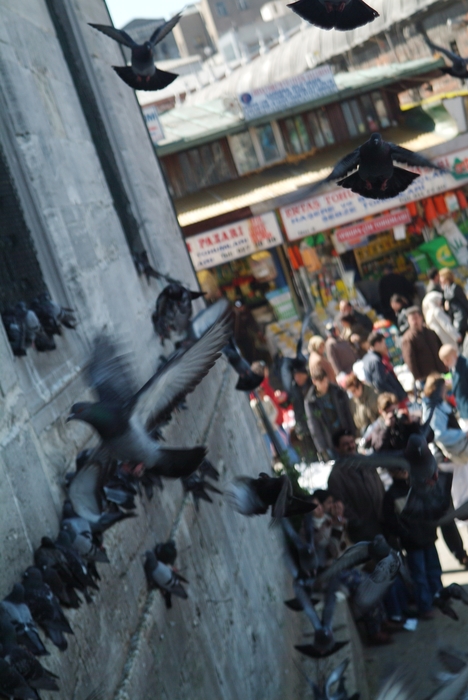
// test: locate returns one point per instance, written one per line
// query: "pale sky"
(123, 11)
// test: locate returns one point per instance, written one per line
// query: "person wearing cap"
(378, 369)
(340, 352)
(317, 359)
(363, 403)
(420, 347)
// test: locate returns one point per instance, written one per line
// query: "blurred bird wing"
(181, 374)
(308, 607)
(208, 317)
(353, 556)
(116, 34)
(378, 459)
(330, 603)
(454, 57)
(83, 492)
(344, 167)
(162, 31)
(407, 157)
(110, 374)
(335, 676)
(461, 513)
(396, 688)
(292, 535)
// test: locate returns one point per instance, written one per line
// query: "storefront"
(245, 261)
(340, 242)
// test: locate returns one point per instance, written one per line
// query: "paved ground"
(418, 650)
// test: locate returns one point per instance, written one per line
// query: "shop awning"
(192, 125)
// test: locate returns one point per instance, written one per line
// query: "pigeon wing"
(181, 374)
(162, 31)
(83, 492)
(330, 603)
(110, 374)
(208, 317)
(344, 167)
(353, 556)
(454, 57)
(307, 605)
(403, 155)
(335, 676)
(116, 34)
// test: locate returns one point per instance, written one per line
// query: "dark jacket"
(460, 385)
(381, 378)
(341, 354)
(391, 284)
(385, 438)
(420, 351)
(319, 425)
(360, 489)
(458, 307)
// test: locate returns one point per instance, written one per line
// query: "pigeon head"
(101, 416)
(375, 140)
(33, 576)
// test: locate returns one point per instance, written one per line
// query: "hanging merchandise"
(462, 201)
(440, 205)
(456, 240)
(452, 202)
(310, 258)
(263, 266)
(430, 212)
(439, 252)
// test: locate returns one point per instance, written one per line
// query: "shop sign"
(220, 245)
(300, 89)
(341, 206)
(154, 125)
(351, 235)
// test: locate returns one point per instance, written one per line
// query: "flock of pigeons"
(35, 324)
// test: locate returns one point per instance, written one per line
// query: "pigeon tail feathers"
(158, 81)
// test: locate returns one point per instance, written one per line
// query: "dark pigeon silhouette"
(142, 74)
(45, 608)
(12, 683)
(324, 643)
(459, 67)
(197, 485)
(248, 380)
(166, 552)
(173, 310)
(164, 577)
(333, 687)
(443, 598)
(254, 496)
(370, 170)
(51, 315)
(124, 417)
(335, 14)
(19, 614)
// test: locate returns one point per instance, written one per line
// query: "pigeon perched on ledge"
(339, 14)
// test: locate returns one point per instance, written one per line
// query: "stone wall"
(233, 638)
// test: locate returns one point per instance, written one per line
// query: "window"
(370, 113)
(356, 110)
(243, 152)
(353, 118)
(266, 138)
(296, 136)
(381, 109)
(325, 126)
(20, 275)
(221, 9)
(314, 127)
(303, 135)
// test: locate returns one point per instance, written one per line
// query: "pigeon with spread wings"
(339, 14)
(124, 417)
(324, 643)
(459, 67)
(142, 74)
(370, 170)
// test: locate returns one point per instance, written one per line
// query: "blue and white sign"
(288, 93)
(154, 125)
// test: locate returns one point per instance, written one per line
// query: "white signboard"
(341, 206)
(220, 245)
(288, 93)
(154, 125)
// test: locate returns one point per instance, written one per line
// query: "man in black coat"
(327, 410)
(378, 368)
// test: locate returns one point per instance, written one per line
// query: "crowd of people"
(348, 400)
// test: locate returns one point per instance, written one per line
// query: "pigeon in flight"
(443, 597)
(459, 67)
(142, 74)
(254, 496)
(173, 310)
(339, 14)
(333, 687)
(123, 417)
(248, 379)
(324, 643)
(370, 170)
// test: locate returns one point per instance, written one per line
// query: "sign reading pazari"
(341, 206)
(220, 245)
(302, 88)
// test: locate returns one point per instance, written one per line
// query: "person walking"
(378, 369)
(363, 403)
(340, 352)
(456, 303)
(420, 347)
(317, 359)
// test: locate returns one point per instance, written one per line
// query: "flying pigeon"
(339, 14)
(173, 310)
(333, 687)
(459, 67)
(353, 556)
(300, 553)
(254, 496)
(142, 74)
(324, 643)
(144, 267)
(248, 380)
(443, 597)
(370, 170)
(164, 577)
(123, 417)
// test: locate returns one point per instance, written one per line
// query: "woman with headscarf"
(438, 321)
